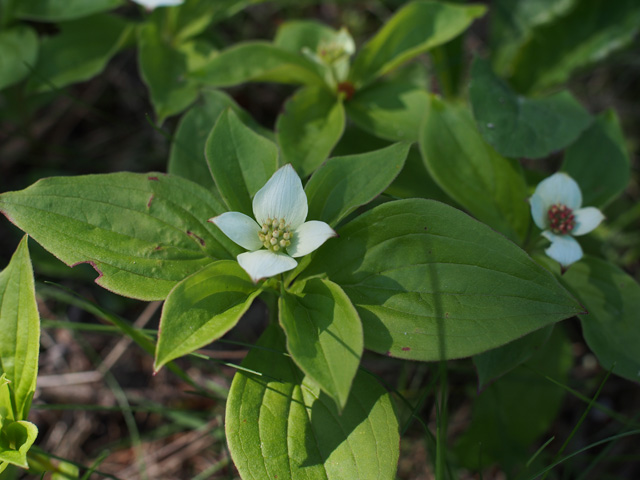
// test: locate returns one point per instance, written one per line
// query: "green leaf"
(342, 184)
(16, 439)
(414, 29)
(513, 23)
(390, 110)
(202, 308)
(582, 37)
(19, 47)
(324, 336)
(240, 160)
(489, 186)
(415, 181)
(309, 127)
(513, 412)
(599, 162)
(523, 127)
(431, 283)
(495, 363)
(68, 57)
(19, 331)
(298, 34)
(164, 70)
(61, 10)
(187, 157)
(612, 298)
(194, 16)
(279, 424)
(259, 62)
(142, 232)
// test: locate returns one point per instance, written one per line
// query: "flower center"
(561, 219)
(275, 234)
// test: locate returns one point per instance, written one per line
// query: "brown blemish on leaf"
(347, 89)
(155, 179)
(199, 239)
(406, 349)
(150, 200)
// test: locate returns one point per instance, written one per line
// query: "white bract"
(151, 4)
(555, 208)
(280, 233)
(334, 55)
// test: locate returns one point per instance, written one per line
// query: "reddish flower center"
(561, 219)
(347, 88)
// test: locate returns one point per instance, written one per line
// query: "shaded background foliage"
(107, 125)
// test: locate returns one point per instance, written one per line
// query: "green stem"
(441, 429)
(271, 299)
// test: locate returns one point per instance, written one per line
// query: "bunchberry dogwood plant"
(385, 214)
(556, 210)
(281, 233)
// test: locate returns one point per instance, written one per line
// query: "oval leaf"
(19, 47)
(164, 70)
(599, 161)
(523, 127)
(389, 110)
(17, 440)
(343, 184)
(583, 36)
(59, 10)
(413, 30)
(489, 186)
(259, 62)
(240, 160)
(279, 424)
(68, 57)
(296, 35)
(202, 308)
(324, 336)
(431, 283)
(495, 363)
(512, 413)
(612, 326)
(308, 129)
(19, 330)
(142, 232)
(187, 150)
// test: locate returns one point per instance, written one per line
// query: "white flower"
(151, 4)
(280, 208)
(334, 54)
(555, 208)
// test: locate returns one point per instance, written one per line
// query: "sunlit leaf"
(142, 232)
(19, 332)
(414, 29)
(342, 184)
(324, 336)
(489, 186)
(202, 308)
(279, 424)
(431, 283)
(309, 127)
(240, 160)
